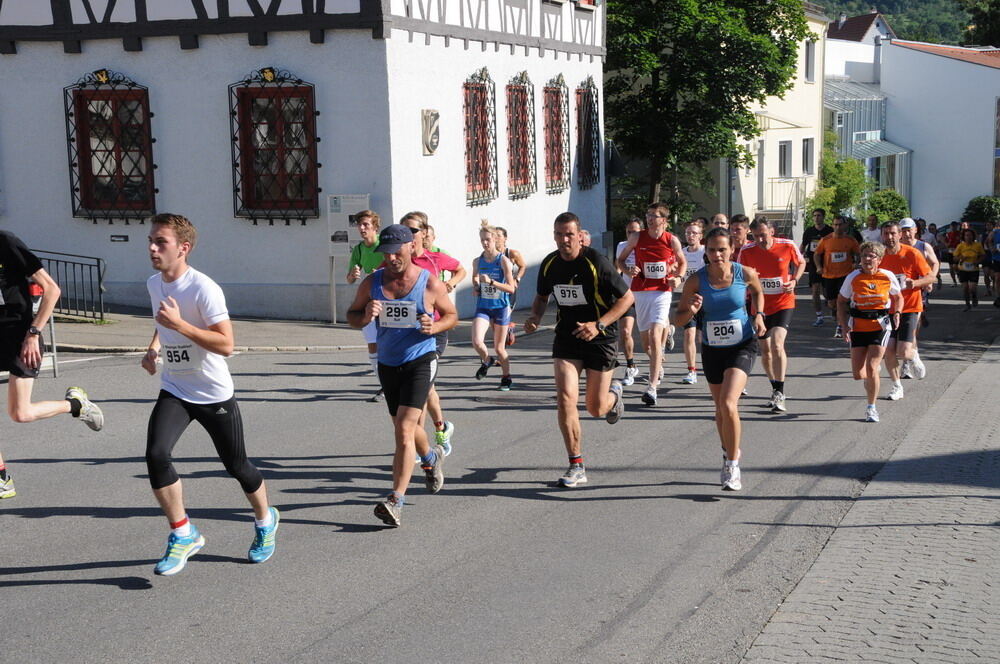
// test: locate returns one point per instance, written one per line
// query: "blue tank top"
(726, 322)
(494, 270)
(995, 249)
(399, 345)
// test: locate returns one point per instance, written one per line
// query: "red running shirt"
(909, 262)
(772, 266)
(655, 259)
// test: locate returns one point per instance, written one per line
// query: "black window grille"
(522, 179)
(556, 103)
(588, 135)
(110, 147)
(275, 170)
(480, 139)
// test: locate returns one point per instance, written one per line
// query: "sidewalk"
(912, 573)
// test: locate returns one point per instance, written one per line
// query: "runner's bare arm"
(538, 306)
(681, 259)
(629, 247)
(690, 302)
(152, 352)
(843, 307)
(757, 298)
(519, 263)
(443, 305)
(457, 277)
(508, 274)
(31, 345)
(364, 308)
(217, 338)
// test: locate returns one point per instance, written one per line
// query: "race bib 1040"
(569, 295)
(724, 332)
(398, 314)
(657, 270)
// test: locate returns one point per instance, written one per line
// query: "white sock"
(732, 464)
(897, 383)
(183, 531)
(373, 360)
(916, 355)
(265, 522)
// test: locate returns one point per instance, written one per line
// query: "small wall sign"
(431, 135)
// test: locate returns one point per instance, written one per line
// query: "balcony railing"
(81, 280)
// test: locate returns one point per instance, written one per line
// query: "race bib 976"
(569, 295)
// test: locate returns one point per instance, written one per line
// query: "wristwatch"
(600, 326)
(34, 330)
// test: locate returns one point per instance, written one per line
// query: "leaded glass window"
(110, 147)
(521, 180)
(556, 113)
(275, 172)
(588, 135)
(480, 139)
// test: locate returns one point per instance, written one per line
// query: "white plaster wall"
(853, 59)
(944, 110)
(266, 270)
(431, 76)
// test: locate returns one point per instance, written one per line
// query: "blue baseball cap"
(393, 237)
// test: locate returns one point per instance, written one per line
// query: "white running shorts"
(652, 307)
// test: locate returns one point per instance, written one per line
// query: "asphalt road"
(650, 561)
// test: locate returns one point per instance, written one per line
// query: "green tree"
(984, 29)
(682, 74)
(982, 208)
(843, 184)
(888, 204)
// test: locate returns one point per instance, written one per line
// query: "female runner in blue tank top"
(493, 282)
(729, 337)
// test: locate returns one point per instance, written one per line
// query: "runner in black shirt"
(21, 345)
(810, 240)
(591, 297)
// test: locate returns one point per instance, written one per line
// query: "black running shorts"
(968, 276)
(597, 357)
(782, 318)
(907, 330)
(831, 287)
(11, 339)
(409, 383)
(874, 338)
(715, 361)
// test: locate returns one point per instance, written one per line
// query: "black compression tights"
(171, 416)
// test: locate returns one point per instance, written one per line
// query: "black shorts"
(873, 338)
(409, 383)
(11, 339)
(968, 276)
(715, 361)
(995, 264)
(814, 277)
(908, 324)
(695, 322)
(782, 318)
(831, 287)
(441, 343)
(597, 357)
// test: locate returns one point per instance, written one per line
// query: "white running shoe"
(630, 375)
(905, 370)
(919, 370)
(731, 478)
(671, 342)
(779, 402)
(896, 393)
(691, 378)
(649, 396)
(770, 402)
(838, 333)
(818, 322)
(871, 414)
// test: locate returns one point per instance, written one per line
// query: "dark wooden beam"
(189, 42)
(7, 47)
(257, 38)
(132, 43)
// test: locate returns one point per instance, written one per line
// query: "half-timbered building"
(268, 122)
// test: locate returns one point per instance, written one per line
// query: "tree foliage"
(843, 183)
(936, 21)
(682, 74)
(982, 209)
(888, 204)
(984, 29)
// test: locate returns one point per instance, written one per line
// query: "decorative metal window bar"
(275, 170)
(480, 139)
(110, 147)
(588, 135)
(522, 177)
(556, 111)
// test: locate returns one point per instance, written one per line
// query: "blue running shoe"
(263, 540)
(179, 549)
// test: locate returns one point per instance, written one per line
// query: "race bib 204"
(724, 332)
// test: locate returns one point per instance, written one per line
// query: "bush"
(888, 204)
(982, 209)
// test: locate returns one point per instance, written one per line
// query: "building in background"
(787, 150)
(852, 46)
(269, 123)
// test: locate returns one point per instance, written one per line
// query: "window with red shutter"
(588, 135)
(556, 113)
(480, 139)
(522, 180)
(275, 170)
(110, 147)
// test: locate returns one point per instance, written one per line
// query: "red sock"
(179, 524)
(576, 459)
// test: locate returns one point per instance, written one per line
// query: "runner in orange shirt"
(868, 307)
(775, 259)
(913, 273)
(835, 257)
